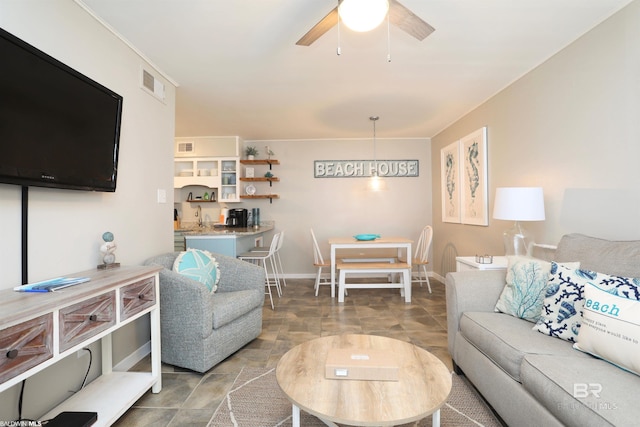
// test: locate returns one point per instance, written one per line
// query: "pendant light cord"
(388, 41)
(338, 50)
(374, 119)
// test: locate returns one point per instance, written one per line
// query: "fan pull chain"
(388, 41)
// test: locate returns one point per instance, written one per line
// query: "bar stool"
(267, 260)
(278, 259)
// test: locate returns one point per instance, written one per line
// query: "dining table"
(401, 244)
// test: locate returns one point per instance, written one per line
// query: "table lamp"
(518, 204)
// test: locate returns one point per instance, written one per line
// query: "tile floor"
(190, 398)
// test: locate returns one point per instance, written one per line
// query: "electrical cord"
(84, 381)
(20, 403)
(20, 400)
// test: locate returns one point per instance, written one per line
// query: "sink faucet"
(199, 215)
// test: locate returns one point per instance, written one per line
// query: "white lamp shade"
(519, 204)
(363, 15)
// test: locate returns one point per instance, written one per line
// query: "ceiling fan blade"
(320, 28)
(408, 21)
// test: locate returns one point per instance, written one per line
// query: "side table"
(469, 263)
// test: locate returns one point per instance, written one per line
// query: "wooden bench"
(391, 268)
(368, 255)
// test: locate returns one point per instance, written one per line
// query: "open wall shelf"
(269, 162)
(270, 180)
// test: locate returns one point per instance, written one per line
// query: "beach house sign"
(365, 168)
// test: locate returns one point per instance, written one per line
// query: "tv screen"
(58, 128)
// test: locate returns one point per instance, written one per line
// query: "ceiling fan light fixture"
(363, 15)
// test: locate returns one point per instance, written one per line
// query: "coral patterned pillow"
(524, 292)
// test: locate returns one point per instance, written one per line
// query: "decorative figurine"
(107, 249)
(269, 152)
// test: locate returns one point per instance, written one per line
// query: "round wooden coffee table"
(423, 387)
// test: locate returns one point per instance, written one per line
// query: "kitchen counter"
(227, 241)
(225, 231)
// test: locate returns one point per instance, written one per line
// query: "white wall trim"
(131, 360)
(398, 138)
(437, 276)
(125, 41)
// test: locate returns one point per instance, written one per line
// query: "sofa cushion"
(607, 256)
(582, 391)
(564, 300)
(228, 306)
(506, 340)
(610, 328)
(562, 306)
(198, 265)
(524, 292)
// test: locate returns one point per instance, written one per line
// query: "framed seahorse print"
(474, 204)
(450, 179)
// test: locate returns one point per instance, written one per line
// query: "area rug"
(255, 400)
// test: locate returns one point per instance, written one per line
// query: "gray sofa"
(200, 329)
(530, 379)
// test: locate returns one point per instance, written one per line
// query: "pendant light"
(376, 183)
(363, 15)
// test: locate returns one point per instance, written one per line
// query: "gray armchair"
(200, 329)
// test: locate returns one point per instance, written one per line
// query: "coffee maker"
(237, 218)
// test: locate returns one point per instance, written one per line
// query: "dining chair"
(266, 260)
(421, 257)
(319, 263)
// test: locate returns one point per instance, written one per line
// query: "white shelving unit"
(219, 175)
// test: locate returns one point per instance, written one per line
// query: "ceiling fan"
(399, 16)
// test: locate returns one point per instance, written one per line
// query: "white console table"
(469, 263)
(40, 329)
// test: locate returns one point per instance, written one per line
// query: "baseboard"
(326, 276)
(131, 360)
(298, 276)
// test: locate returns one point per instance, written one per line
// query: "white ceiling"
(240, 73)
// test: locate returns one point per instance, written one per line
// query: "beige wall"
(65, 227)
(338, 206)
(570, 126)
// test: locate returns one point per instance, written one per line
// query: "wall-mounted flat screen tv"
(58, 128)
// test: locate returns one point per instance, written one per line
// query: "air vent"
(186, 147)
(152, 85)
